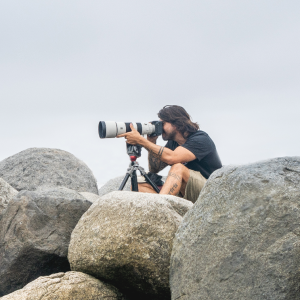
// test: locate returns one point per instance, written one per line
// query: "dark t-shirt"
(201, 145)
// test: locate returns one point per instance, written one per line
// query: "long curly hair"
(177, 116)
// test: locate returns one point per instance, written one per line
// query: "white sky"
(233, 65)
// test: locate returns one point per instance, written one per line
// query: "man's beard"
(168, 136)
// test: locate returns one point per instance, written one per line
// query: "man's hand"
(133, 137)
(179, 155)
(152, 139)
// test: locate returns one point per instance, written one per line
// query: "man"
(190, 152)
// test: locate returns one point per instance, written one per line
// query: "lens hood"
(102, 129)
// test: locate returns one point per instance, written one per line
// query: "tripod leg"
(124, 182)
(134, 183)
(151, 183)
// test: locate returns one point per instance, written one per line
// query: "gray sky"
(66, 65)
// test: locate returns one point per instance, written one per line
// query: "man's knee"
(181, 170)
(177, 168)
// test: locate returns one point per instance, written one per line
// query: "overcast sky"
(233, 65)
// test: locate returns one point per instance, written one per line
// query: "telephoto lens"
(110, 129)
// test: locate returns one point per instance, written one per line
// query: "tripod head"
(133, 158)
(134, 151)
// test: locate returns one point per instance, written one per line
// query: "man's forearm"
(167, 156)
(160, 153)
(155, 164)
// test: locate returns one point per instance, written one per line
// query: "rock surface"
(6, 194)
(35, 167)
(89, 196)
(241, 239)
(113, 185)
(66, 286)
(180, 205)
(126, 238)
(35, 231)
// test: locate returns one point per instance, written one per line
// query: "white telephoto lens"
(111, 129)
(121, 127)
(147, 128)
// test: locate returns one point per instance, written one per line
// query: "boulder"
(6, 194)
(113, 185)
(180, 205)
(126, 238)
(35, 231)
(241, 239)
(35, 167)
(66, 286)
(89, 196)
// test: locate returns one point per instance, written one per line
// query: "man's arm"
(168, 156)
(179, 155)
(155, 163)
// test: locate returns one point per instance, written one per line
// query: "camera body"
(110, 129)
(158, 128)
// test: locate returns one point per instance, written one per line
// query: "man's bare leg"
(146, 188)
(176, 181)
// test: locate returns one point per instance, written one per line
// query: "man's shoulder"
(200, 139)
(199, 135)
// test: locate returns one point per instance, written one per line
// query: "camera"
(110, 129)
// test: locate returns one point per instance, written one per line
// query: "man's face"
(169, 131)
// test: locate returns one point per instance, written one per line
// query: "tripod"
(134, 151)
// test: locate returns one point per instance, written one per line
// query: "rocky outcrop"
(89, 196)
(66, 286)
(35, 231)
(126, 238)
(6, 194)
(36, 167)
(241, 239)
(113, 185)
(180, 205)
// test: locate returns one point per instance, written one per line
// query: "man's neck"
(179, 139)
